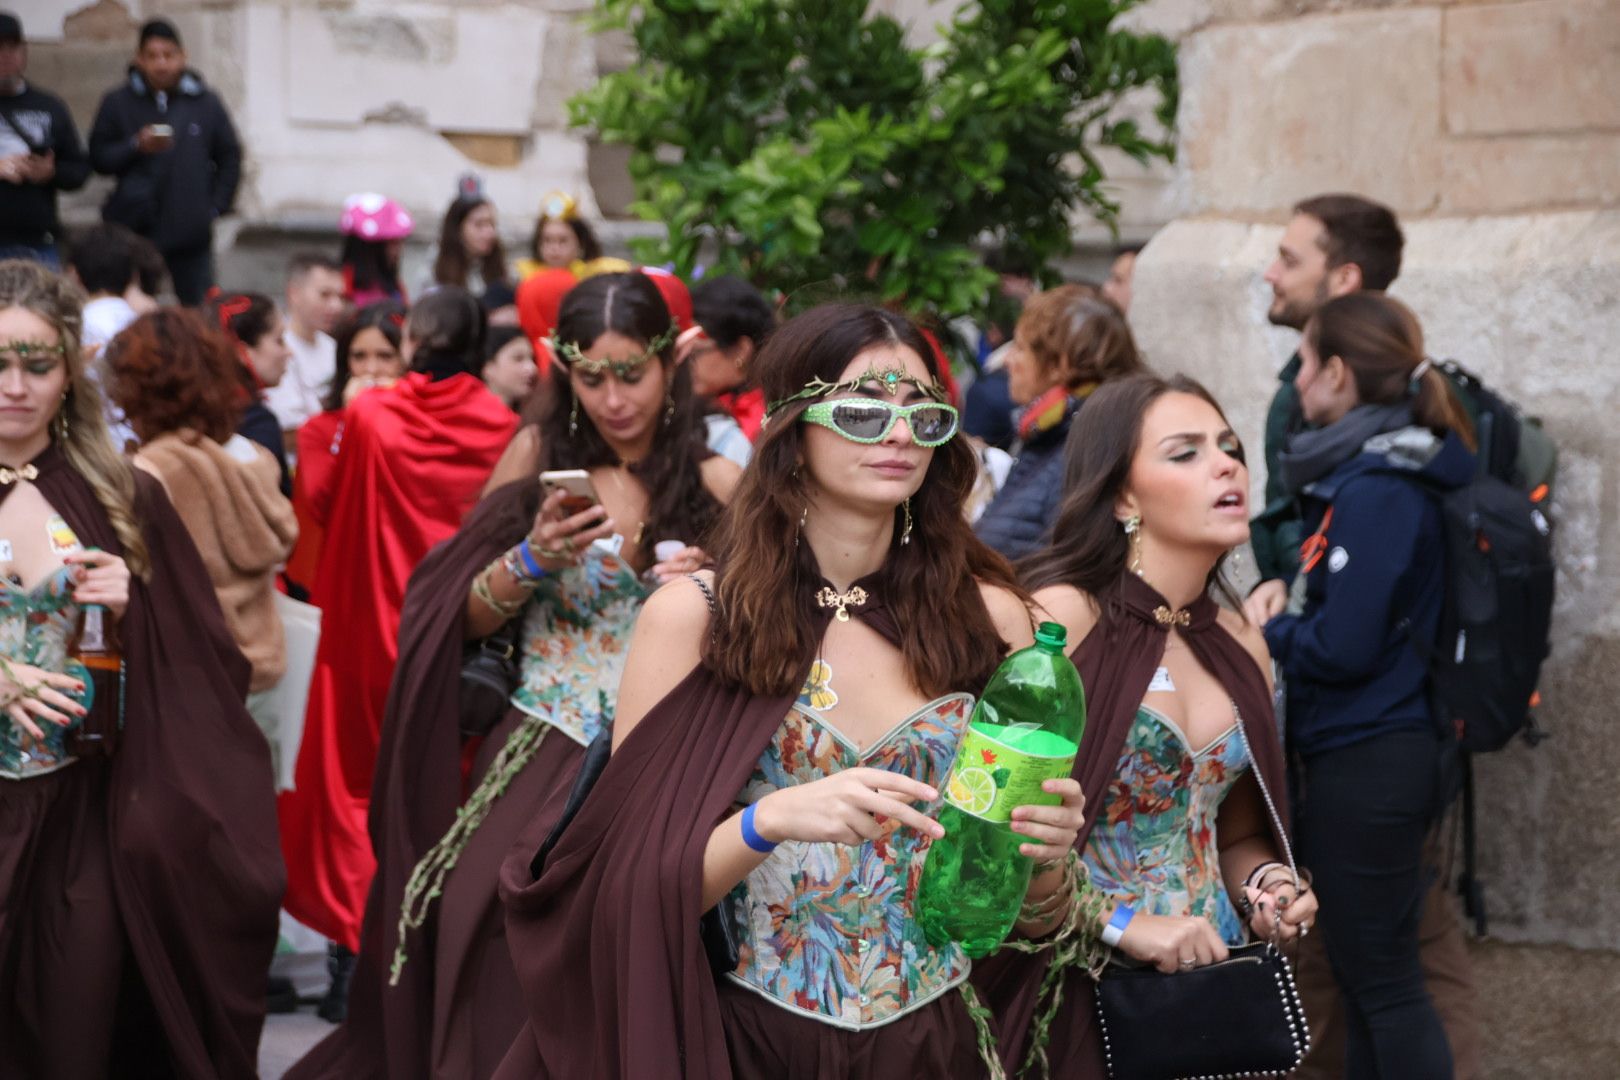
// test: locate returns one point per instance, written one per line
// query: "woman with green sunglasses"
(783, 727)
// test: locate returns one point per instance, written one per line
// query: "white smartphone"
(580, 493)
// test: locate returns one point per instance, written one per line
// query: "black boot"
(335, 1005)
(283, 997)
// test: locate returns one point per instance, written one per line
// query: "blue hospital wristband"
(751, 835)
(1123, 914)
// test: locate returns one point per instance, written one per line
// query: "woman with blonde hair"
(149, 811)
(1069, 341)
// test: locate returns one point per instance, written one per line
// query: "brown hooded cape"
(190, 826)
(390, 1030)
(606, 941)
(1117, 661)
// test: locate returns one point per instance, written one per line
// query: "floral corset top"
(36, 626)
(576, 631)
(1154, 845)
(828, 930)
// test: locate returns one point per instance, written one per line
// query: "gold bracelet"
(481, 593)
(547, 553)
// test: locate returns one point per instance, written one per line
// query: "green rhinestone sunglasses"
(864, 420)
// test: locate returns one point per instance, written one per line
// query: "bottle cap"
(1052, 636)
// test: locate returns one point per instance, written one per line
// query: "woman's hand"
(1172, 943)
(1053, 830)
(845, 808)
(28, 693)
(355, 387)
(689, 560)
(559, 541)
(1281, 913)
(1268, 600)
(101, 578)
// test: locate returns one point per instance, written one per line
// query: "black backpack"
(1497, 616)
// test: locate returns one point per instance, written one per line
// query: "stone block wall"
(1493, 130)
(340, 96)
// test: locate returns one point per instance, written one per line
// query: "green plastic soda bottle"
(1024, 730)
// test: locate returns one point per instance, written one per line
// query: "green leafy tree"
(807, 145)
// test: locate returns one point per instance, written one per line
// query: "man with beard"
(1338, 244)
(1334, 244)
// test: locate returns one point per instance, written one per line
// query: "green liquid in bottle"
(1025, 729)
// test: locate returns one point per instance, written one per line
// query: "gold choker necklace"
(827, 598)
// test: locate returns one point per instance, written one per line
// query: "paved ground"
(286, 1038)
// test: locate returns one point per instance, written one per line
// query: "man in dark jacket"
(170, 142)
(40, 154)
(1334, 244)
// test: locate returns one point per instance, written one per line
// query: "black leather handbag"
(489, 677)
(1240, 1017)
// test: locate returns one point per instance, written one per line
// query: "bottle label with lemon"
(999, 767)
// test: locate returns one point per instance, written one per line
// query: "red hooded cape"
(411, 465)
(312, 486)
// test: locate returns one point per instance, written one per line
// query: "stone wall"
(1493, 129)
(338, 96)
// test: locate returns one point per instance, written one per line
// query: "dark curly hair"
(170, 370)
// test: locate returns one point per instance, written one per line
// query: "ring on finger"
(1187, 964)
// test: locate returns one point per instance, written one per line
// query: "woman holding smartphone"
(561, 588)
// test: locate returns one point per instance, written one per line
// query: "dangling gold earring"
(573, 419)
(905, 533)
(1133, 533)
(804, 515)
(669, 406)
(61, 422)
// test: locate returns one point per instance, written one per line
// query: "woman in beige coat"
(175, 378)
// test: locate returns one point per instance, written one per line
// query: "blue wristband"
(1123, 914)
(751, 835)
(531, 565)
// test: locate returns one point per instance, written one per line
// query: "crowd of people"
(651, 618)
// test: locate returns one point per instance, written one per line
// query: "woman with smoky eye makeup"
(1181, 764)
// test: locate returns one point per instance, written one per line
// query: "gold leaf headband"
(26, 349)
(891, 379)
(571, 355)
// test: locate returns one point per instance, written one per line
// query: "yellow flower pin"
(818, 692)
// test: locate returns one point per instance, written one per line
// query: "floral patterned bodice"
(1154, 845)
(36, 626)
(828, 930)
(576, 631)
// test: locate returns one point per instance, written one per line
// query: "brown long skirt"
(767, 1042)
(75, 1003)
(478, 1006)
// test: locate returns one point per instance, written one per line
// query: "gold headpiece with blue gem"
(891, 379)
